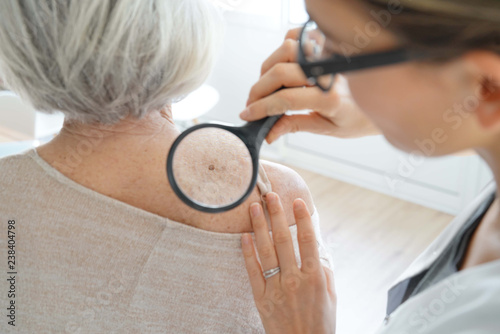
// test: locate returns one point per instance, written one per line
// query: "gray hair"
(99, 61)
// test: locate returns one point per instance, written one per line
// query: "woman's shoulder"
(12, 165)
(284, 181)
(289, 185)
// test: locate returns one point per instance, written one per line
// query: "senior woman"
(102, 244)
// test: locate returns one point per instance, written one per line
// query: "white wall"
(249, 40)
(20, 117)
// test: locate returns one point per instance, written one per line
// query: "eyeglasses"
(321, 65)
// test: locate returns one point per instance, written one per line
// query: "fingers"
(254, 270)
(306, 237)
(265, 246)
(313, 122)
(299, 98)
(330, 283)
(281, 233)
(286, 53)
(281, 75)
(293, 33)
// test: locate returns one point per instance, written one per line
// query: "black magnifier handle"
(256, 132)
(268, 125)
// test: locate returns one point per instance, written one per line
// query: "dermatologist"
(426, 75)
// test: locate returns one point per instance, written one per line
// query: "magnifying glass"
(214, 167)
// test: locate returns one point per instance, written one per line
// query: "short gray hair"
(99, 61)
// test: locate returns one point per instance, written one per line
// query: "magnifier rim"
(186, 199)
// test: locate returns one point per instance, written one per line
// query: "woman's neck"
(155, 125)
(491, 156)
(127, 162)
(485, 243)
(131, 141)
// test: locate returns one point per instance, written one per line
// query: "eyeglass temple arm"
(344, 64)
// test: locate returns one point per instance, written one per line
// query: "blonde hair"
(103, 60)
(446, 25)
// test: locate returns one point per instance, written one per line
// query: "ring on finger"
(271, 272)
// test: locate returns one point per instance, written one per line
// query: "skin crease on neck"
(411, 109)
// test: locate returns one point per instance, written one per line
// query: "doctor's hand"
(295, 300)
(332, 114)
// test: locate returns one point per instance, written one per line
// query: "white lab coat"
(467, 302)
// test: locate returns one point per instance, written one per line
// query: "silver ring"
(271, 272)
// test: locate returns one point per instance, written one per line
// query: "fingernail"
(245, 239)
(272, 136)
(245, 114)
(298, 205)
(271, 198)
(255, 210)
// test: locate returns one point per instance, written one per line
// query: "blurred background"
(254, 30)
(379, 208)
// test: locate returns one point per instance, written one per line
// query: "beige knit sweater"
(87, 263)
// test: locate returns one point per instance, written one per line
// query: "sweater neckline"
(166, 222)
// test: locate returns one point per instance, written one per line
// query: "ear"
(486, 66)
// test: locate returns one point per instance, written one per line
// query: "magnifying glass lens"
(212, 167)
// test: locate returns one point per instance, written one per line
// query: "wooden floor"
(372, 237)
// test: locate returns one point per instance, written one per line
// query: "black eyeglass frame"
(340, 64)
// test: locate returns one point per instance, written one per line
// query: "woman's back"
(129, 165)
(89, 263)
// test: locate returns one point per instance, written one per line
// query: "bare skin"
(485, 243)
(127, 163)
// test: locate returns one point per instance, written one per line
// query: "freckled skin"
(213, 186)
(227, 178)
(139, 179)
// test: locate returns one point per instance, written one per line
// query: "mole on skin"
(211, 167)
